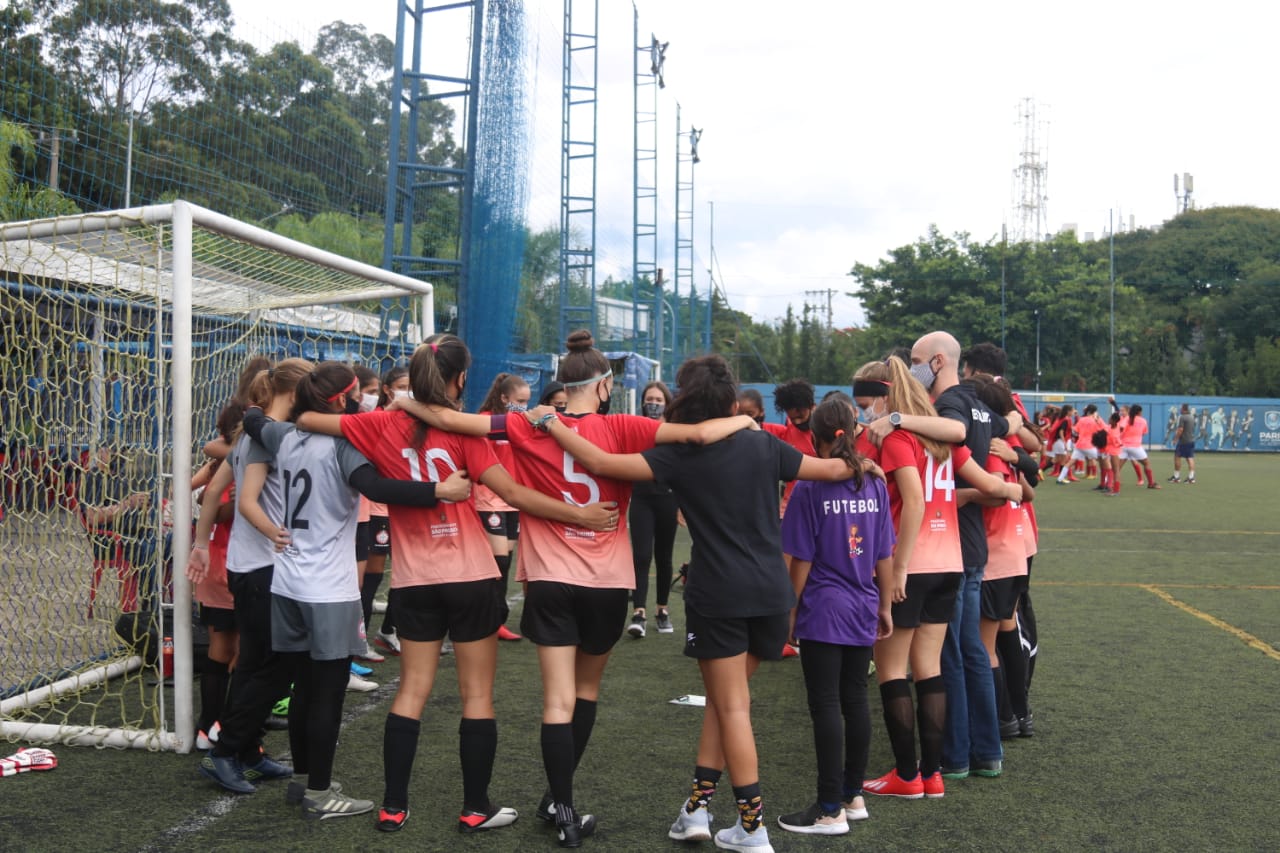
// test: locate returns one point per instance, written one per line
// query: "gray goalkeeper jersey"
(247, 549)
(320, 513)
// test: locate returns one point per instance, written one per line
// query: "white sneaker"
(206, 740)
(360, 685)
(691, 827)
(370, 655)
(737, 838)
(389, 643)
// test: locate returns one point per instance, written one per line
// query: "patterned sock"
(704, 788)
(750, 806)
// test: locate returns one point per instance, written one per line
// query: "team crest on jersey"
(855, 541)
(495, 520)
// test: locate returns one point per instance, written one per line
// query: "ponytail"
(832, 424)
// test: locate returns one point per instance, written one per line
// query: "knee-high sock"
(399, 746)
(899, 719)
(369, 588)
(584, 721)
(477, 746)
(931, 718)
(213, 692)
(557, 760)
(1013, 661)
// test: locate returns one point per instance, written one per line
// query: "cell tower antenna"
(1031, 177)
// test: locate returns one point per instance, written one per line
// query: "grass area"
(1155, 724)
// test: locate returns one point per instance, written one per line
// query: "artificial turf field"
(1155, 698)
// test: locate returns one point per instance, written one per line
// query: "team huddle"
(904, 534)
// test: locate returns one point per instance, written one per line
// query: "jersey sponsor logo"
(981, 416)
(448, 528)
(855, 541)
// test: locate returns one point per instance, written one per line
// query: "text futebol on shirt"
(848, 505)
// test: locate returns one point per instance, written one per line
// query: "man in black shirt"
(972, 734)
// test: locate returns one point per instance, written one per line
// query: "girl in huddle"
(446, 577)
(927, 567)
(501, 521)
(394, 383)
(839, 539)
(739, 596)
(369, 572)
(577, 581)
(315, 596)
(653, 530)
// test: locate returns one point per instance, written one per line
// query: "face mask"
(653, 410)
(868, 413)
(517, 408)
(352, 407)
(804, 427)
(561, 407)
(603, 408)
(924, 373)
(404, 395)
(759, 420)
(368, 402)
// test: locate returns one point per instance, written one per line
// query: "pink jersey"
(444, 543)
(553, 551)
(1030, 529)
(213, 591)
(487, 499)
(1085, 428)
(1006, 543)
(1113, 440)
(937, 548)
(1133, 431)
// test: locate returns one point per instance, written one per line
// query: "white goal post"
(125, 327)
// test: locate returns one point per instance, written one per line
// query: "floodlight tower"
(686, 159)
(1031, 178)
(412, 185)
(648, 78)
(578, 128)
(1183, 200)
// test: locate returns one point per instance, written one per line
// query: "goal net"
(122, 335)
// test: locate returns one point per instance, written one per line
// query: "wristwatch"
(895, 420)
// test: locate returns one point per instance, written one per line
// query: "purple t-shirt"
(842, 531)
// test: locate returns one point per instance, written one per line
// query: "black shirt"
(960, 403)
(728, 492)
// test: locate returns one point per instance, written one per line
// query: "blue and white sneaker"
(737, 838)
(362, 671)
(691, 827)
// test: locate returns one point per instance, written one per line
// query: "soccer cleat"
(546, 809)
(281, 708)
(790, 651)
(505, 633)
(737, 838)
(388, 643)
(361, 671)
(322, 805)
(695, 826)
(370, 655)
(636, 628)
(491, 818)
(392, 820)
(934, 787)
(226, 771)
(893, 785)
(855, 808)
(266, 768)
(206, 740)
(360, 685)
(572, 827)
(989, 769)
(664, 622)
(1175, 478)
(816, 821)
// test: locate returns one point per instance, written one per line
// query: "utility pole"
(829, 293)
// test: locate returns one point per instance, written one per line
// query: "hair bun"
(580, 341)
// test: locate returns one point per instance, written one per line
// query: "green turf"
(1156, 729)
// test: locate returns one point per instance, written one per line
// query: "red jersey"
(1006, 545)
(213, 591)
(440, 544)
(487, 499)
(553, 551)
(938, 545)
(800, 439)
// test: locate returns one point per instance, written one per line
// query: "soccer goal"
(127, 331)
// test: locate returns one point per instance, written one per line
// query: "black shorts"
(711, 637)
(561, 614)
(218, 618)
(931, 599)
(501, 523)
(363, 541)
(1185, 451)
(379, 534)
(1000, 597)
(466, 611)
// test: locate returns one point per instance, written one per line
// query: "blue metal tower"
(414, 186)
(647, 75)
(578, 126)
(686, 159)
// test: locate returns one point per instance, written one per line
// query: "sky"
(837, 133)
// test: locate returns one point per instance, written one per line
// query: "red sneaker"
(505, 633)
(790, 651)
(933, 786)
(891, 785)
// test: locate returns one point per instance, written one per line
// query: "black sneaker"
(573, 827)
(1009, 729)
(664, 622)
(227, 772)
(1027, 726)
(815, 821)
(636, 628)
(546, 809)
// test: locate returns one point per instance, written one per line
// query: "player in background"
(508, 393)
(395, 382)
(367, 395)
(738, 596)
(1185, 446)
(1084, 451)
(1133, 429)
(794, 398)
(653, 530)
(751, 404)
(1062, 441)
